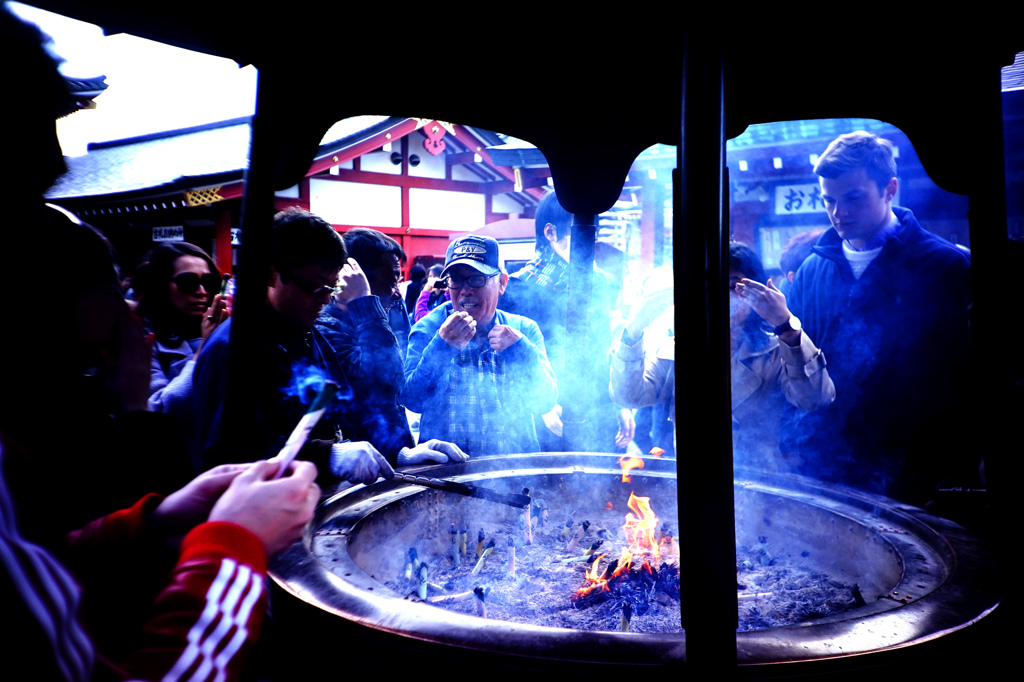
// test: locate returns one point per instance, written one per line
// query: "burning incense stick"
(510, 568)
(528, 518)
(412, 564)
(579, 535)
(301, 431)
(422, 589)
(481, 594)
(488, 548)
(627, 615)
(753, 596)
(450, 598)
(540, 513)
(456, 556)
(480, 543)
(463, 532)
(567, 530)
(593, 548)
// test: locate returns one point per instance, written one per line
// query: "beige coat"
(762, 380)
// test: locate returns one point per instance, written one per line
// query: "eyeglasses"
(475, 281)
(189, 282)
(314, 290)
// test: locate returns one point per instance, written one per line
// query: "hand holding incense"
(301, 431)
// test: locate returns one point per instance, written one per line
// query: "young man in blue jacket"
(887, 303)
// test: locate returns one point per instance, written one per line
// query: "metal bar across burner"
(511, 499)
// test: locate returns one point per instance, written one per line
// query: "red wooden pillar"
(222, 239)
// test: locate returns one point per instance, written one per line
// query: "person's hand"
(359, 462)
(627, 427)
(647, 310)
(767, 301)
(215, 315)
(275, 511)
(553, 420)
(458, 330)
(191, 505)
(502, 336)
(353, 281)
(432, 451)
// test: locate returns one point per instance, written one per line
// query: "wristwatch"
(792, 324)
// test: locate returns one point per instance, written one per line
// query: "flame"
(640, 529)
(657, 452)
(628, 464)
(609, 505)
(594, 577)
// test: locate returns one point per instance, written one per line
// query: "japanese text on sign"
(172, 233)
(790, 199)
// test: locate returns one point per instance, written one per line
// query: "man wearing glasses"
(306, 258)
(478, 375)
(370, 349)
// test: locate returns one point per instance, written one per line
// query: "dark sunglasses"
(189, 282)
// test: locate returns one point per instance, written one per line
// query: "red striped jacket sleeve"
(209, 616)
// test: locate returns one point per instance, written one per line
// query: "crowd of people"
(483, 357)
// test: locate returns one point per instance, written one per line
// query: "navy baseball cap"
(479, 253)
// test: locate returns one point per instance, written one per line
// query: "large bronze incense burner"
(919, 576)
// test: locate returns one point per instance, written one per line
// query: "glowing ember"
(609, 505)
(628, 464)
(657, 452)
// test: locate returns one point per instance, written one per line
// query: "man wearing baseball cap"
(476, 374)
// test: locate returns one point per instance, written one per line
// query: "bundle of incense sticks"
(301, 431)
(511, 566)
(456, 556)
(488, 548)
(449, 598)
(481, 594)
(422, 587)
(579, 535)
(567, 530)
(412, 565)
(528, 518)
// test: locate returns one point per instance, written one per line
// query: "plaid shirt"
(548, 270)
(476, 386)
(480, 400)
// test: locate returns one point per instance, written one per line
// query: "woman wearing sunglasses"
(180, 304)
